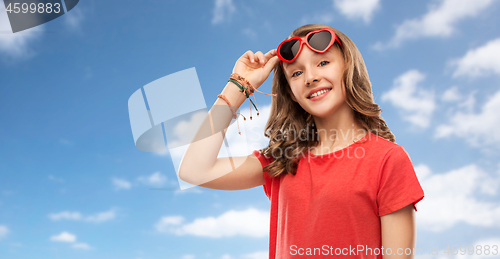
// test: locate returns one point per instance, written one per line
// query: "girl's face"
(312, 72)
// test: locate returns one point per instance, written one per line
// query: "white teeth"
(318, 93)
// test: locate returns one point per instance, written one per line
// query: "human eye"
(298, 73)
(323, 63)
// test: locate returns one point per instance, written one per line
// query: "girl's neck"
(338, 130)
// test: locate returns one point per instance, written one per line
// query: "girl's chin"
(320, 114)
(324, 112)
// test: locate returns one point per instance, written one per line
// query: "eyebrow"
(287, 70)
(290, 66)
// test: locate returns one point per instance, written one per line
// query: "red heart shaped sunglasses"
(318, 41)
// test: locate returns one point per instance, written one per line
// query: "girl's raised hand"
(256, 67)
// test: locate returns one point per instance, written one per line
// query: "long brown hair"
(287, 120)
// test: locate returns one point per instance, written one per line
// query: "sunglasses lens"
(320, 40)
(289, 49)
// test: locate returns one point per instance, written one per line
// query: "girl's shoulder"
(382, 145)
(264, 160)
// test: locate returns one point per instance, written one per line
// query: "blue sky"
(73, 184)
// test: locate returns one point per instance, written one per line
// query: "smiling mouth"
(319, 93)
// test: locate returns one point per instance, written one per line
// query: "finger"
(271, 64)
(260, 57)
(270, 54)
(250, 56)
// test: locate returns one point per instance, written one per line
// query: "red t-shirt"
(332, 206)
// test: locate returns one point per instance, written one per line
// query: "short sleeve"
(265, 161)
(398, 182)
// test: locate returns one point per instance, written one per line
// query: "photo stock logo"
(171, 113)
(26, 14)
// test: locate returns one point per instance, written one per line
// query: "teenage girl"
(338, 183)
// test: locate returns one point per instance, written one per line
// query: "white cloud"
(184, 131)
(451, 95)
(480, 61)
(357, 9)
(74, 18)
(466, 102)
(439, 21)
(77, 216)
(64, 237)
(188, 257)
(101, 217)
(56, 179)
(450, 198)
(121, 184)
(257, 255)
(457, 101)
(252, 132)
(321, 18)
(250, 222)
(81, 246)
(66, 142)
(65, 215)
(15, 45)
(190, 190)
(67, 237)
(3, 231)
(156, 179)
(250, 33)
(415, 103)
(223, 10)
(170, 220)
(478, 129)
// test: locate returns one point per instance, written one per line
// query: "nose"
(311, 77)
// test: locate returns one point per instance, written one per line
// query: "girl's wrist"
(234, 94)
(236, 91)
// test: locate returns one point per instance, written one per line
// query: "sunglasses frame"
(302, 42)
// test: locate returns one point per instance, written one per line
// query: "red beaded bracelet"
(249, 90)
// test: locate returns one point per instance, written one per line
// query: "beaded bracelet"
(247, 89)
(247, 94)
(232, 110)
